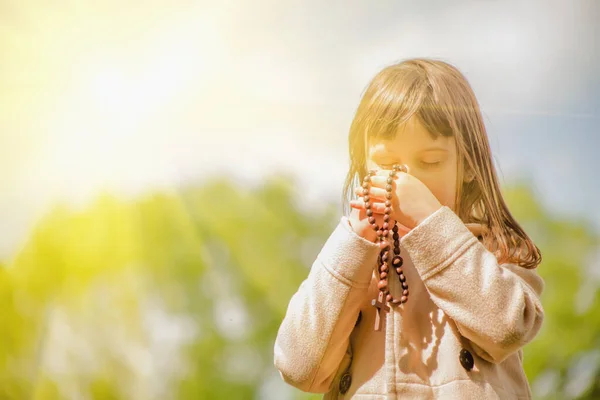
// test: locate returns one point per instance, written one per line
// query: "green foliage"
(180, 295)
(571, 298)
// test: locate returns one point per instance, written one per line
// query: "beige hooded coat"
(460, 299)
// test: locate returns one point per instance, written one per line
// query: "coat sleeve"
(315, 332)
(496, 307)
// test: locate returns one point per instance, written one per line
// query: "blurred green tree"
(180, 295)
(564, 360)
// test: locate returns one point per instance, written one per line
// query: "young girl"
(428, 289)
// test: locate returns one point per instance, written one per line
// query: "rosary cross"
(380, 305)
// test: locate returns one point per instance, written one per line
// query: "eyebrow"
(434, 148)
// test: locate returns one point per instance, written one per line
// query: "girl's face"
(432, 161)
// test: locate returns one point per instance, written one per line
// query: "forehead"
(411, 136)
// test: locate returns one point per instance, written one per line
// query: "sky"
(141, 96)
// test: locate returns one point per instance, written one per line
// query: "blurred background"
(170, 170)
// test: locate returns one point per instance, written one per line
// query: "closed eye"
(430, 164)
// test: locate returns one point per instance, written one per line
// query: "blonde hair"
(443, 101)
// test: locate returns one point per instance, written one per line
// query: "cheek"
(371, 165)
(448, 196)
(443, 192)
(443, 187)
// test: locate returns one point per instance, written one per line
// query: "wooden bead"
(379, 232)
(389, 297)
(396, 243)
(402, 278)
(405, 292)
(386, 226)
(397, 261)
(388, 203)
(384, 268)
(365, 186)
(399, 271)
(404, 285)
(383, 244)
(396, 235)
(384, 257)
(396, 250)
(386, 233)
(382, 285)
(371, 220)
(369, 213)
(388, 187)
(390, 180)
(382, 275)
(374, 226)
(388, 195)
(387, 210)
(368, 205)
(367, 179)
(367, 198)
(386, 218)
(403, 299)
(392, 174)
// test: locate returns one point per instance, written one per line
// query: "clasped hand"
(411, 203)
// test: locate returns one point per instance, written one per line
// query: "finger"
(372, 192)
(357, 204)
(362, 213)
(384, 182)
(386, 172)
(378, 193)
(376, 207)
(384, 179)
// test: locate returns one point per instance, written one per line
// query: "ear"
(469, 176)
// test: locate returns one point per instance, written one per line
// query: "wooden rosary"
(383, 261)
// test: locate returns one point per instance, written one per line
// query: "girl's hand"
(412, 201)
(360, 223)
